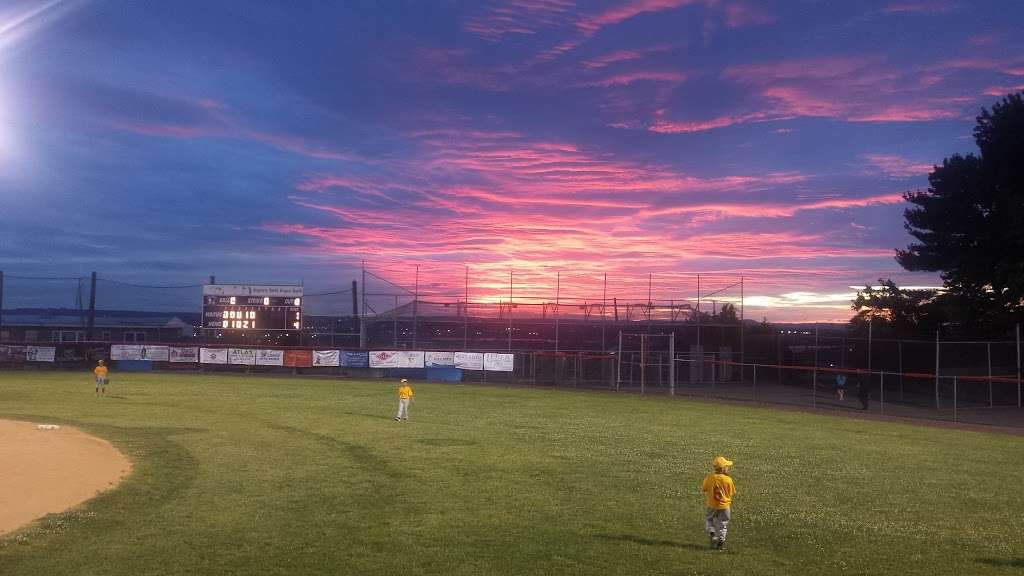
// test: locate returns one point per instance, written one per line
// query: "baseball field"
(259, 475)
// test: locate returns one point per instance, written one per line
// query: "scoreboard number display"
(249, 307)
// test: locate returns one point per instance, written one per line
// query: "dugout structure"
(645, 362)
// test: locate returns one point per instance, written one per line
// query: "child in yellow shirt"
(718, 489)
(101, 372)
(404, 398)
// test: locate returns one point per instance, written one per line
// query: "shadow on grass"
(361, 455)
(649, 542)
(1003, 562)
(446, 442)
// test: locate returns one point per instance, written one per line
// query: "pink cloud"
(919, 7)
(604, 60)
(897, 166)
(1000, 91)
(590, 25)
(738, 15)
(640, 76)
(162, 130)
(517, 17)
(662, 126)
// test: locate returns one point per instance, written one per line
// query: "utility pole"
(362, 316)
(558, 288)
(510, 310)
(465, 317)
(92, 308)
(415, 304)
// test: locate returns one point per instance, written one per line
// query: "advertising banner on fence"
(407, 359)
(355, 360)
(270, 357)
(12, 353)
(499, 362)
(40, 353)
(469, 360)
(437, 359)
(156, 353)
(326, 358)
(243, 356)
(298, 358)
(125, 352)
(383, 359)
(213, 355)
(183, 354)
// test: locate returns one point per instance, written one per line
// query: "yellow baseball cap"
(721, 462)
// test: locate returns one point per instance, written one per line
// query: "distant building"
(36, 325)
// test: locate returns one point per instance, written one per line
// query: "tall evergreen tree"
(969, 224)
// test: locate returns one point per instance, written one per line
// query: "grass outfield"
(237, 475)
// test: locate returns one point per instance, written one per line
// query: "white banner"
(383, 359)
(183, 354)
(326, 358)
(408, 359)
(270, 357)
(432, 359)
(213, 355)
(40, 353)
(243, 356)
(499, 362)
(125, 352)
(156, 353)
(469, 360)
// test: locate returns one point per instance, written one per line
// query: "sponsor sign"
(499, 362)
(125, 352)
(355, 359)
(270, 357)
(249, 290)
(408, 359)
(435, 359)
(183, 354)
(40, 353)
(326, 358)
(383, 359)
(469, 360)
(12, 353)
(243, 356)
(156, 353)
(298, 358)
(213, 355)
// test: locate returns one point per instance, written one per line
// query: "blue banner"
(355, 359)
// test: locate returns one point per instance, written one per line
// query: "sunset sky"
(161, 142)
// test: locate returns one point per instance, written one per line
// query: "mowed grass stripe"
(260, 475)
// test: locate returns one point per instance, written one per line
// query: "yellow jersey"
(405, 392)
(100, 371)
(718, 491)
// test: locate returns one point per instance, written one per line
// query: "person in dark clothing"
(862, 393)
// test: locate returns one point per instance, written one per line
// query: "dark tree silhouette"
(969, 224)
(893, 311)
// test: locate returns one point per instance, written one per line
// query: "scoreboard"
(249, 307)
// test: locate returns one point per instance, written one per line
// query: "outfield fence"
(952, 396)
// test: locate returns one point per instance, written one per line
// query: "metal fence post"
(755, 382)
(618, 365)
(672, 363)
(988, 346)
(881, 391)
(936, 369)
(814, 374)
(954, 399)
